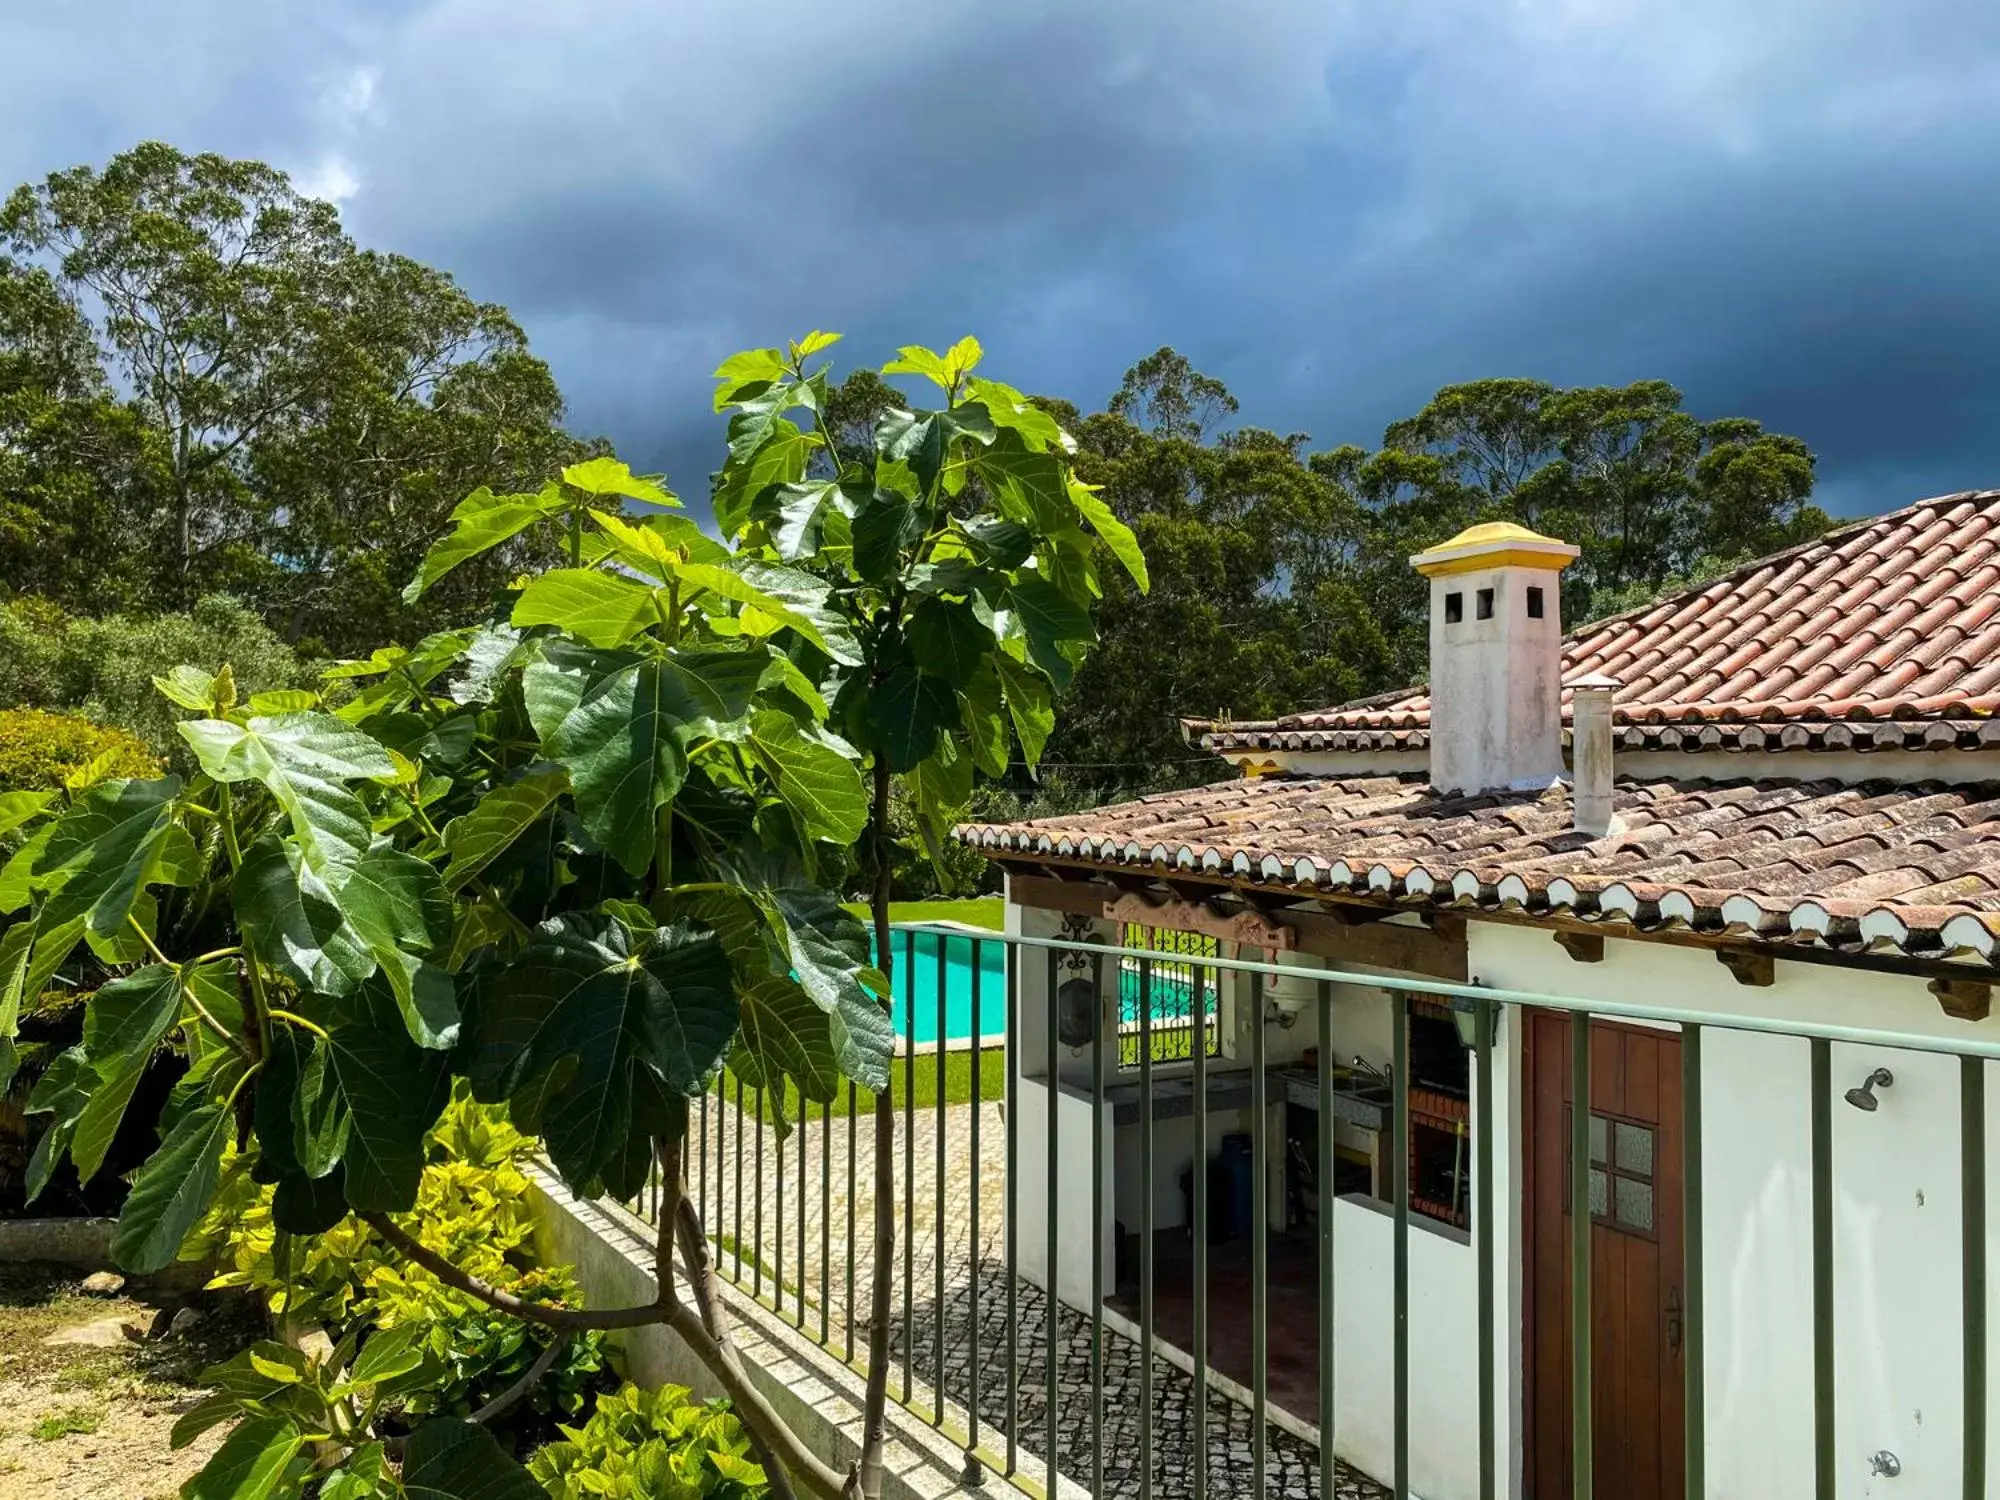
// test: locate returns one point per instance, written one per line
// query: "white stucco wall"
(1896, 1224)
(1444, 1386)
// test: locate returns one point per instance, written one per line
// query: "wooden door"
(1637, 1311)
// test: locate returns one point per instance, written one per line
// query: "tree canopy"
(1281, 578)
(206, 386)
(582, 852)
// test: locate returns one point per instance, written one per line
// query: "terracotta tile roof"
(1896, 618)
(1848, 866)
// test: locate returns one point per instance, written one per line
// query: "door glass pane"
(1598, 1126)
(1635, 1204)
(1598, 1189)
(1635, 1149)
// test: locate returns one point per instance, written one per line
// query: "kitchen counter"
(1173, 1096)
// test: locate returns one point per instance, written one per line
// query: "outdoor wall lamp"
(1076, 1013)
(1076, 997)
(1465, 1016)
(1864, 1098)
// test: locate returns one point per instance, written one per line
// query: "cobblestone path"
(811, 1196)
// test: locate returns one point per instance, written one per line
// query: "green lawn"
(976, 911)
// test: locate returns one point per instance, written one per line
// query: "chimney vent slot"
(1454, 608)
(1534, 603)
(1483, 603)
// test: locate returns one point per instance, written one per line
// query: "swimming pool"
(969, 963)
(965, 964)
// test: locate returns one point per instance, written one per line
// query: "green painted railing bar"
(1132, 1415)
(1824, 1481)
(1694, 1374)
(1012, 957)
(1052, 1301)
(737, 1130)
(940, 1116)
(1582, 1450)
(1260, 1229)
(1439, 989)
(757, 1205)
(972, 1178)
(826, 1220)
(764, 1106)
(1326, 1174)
(1483, 1199)
(1097, 1059)
(853, 1122)
(1145, 1229)
(1399, 1175)
(909, 1147)
(1200, 1350)
(1972, 1293)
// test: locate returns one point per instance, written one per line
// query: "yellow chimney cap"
(1495, 544)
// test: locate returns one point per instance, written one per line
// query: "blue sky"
(1787, 208)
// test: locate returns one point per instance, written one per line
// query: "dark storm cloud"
(1784, 208)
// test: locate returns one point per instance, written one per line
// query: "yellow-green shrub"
(41, 752)
(473, 1209)
(661, 1442)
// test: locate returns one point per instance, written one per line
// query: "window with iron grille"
(1181, 991)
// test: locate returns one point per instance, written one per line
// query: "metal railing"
(1046, 1391)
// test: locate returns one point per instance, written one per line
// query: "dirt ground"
(90, 1386)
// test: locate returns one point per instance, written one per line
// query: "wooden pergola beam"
(1437, 950)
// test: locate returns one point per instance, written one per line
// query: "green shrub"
(41, 752)
(473, 1209)
(104, 668)
(652, 1443)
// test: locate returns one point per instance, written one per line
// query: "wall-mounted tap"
(1369, 1071)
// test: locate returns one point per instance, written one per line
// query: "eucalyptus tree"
(254, 403)
(582, 853)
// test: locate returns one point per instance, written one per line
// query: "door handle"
(1673, 1320)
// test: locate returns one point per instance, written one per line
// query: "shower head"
(1864, 1098)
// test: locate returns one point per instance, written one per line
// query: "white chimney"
(1496, 658)
(1590, 752)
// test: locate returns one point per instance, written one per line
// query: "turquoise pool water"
(952, 955)
(972, 966)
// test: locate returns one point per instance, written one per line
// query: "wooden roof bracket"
(1963, 999)
(1758, 969)
(1583, 947)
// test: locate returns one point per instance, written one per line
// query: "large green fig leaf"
(785, 1035)
(17, 945)
(585, 1028)
(1115, 533)
(295, 923)
(305, 761)
(479, 523)
(1052, 622)
(126, 1018)
(449, 1459)
(822, 784)
(948, 641)
(171, 1191)
(251, 1462)
(605, 475)
(1030, 704)
(600, 608)
(96, 858)
(366, 1096)
(827, 951)
(907, 711)
(623, 747)
(477, 838)
(399, 908)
